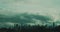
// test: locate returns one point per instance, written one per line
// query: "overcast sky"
(41, 7)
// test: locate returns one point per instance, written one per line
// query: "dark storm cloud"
(42, 18)
(24, 18)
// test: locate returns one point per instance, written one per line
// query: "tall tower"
(54, 24)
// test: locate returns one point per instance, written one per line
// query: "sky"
(41, 7)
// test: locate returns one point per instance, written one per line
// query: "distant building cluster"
(29, 28)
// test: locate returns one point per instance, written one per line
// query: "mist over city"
(29, 12)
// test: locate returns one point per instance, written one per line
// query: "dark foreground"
(35, 28)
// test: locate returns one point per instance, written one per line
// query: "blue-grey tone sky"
(49, 8)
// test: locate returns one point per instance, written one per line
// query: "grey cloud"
(26, 18)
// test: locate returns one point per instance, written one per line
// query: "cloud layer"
(24, 19)
(42, 7)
